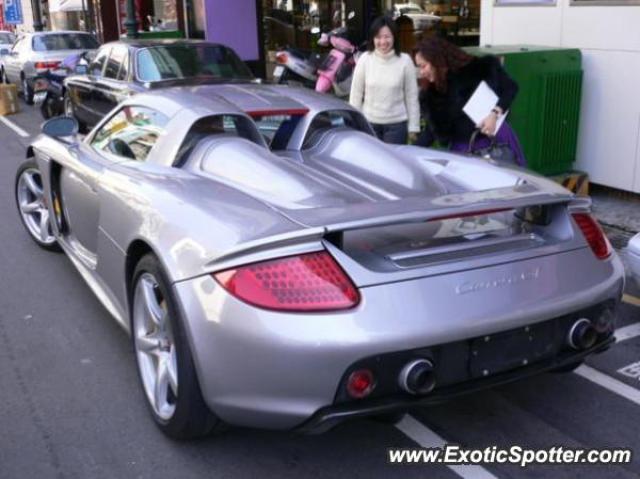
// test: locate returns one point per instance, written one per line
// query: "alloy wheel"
(155, 346)
(33, 207)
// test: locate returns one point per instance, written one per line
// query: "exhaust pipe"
(582, 334)
(417, 377)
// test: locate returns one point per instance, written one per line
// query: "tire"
(3, 77)
(27, 91)
(47, 109)
(30, 200)
(164, 358)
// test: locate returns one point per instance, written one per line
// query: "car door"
(12, 61)
(113, 86)
(80, 88)
(127, 136)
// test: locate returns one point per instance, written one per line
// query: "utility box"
(546, 112)
(8, 99)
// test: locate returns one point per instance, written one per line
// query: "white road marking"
(631, 299)
(14, 127)
(607, 382)
(631, 370)
(424, 436)
(628, 332)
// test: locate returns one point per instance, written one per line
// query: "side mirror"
(81, 69)
(4, 51)
(60, 126)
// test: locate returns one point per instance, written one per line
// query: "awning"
(67, 5)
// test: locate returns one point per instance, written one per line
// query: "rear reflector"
(360, 383)
(46, 65)
(593, 234)
(307, 282)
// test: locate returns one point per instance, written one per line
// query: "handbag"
(500, 153)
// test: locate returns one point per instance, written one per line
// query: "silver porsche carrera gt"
(277, 266)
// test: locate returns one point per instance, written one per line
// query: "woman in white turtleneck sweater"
(385, 85)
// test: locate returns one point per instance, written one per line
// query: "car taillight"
(281, 58)
(46, 65)
(307, 282)
(593, 234)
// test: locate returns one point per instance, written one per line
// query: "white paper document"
(483, 100)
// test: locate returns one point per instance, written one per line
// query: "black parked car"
(123, 68)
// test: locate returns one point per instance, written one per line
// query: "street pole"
(37, 18)
(130, 23)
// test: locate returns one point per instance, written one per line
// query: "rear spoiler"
(419, 209)
(338, 220)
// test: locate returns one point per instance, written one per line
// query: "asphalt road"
(71, 406)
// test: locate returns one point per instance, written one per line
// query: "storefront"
(290, 22)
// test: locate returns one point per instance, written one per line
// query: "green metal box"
(546, 111)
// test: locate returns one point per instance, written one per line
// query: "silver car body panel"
(633, 256)
(235, 202)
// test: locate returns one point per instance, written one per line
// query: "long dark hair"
(444, 56)
(377, 25)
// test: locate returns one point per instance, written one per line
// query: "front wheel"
(32, 206)
(165, 364)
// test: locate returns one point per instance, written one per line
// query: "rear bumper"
(277, 370)
(328, 417)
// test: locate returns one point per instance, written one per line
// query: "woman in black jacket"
(448, 78)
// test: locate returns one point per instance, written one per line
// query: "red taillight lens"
(281, 58)
(308, 282)
(593, 234)
(46, 65)
(360, 383)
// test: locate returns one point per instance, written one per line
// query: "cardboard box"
(8, 99)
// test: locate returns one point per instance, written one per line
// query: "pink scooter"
(336, 70)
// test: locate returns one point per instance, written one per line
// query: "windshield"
(64, 41)
(6, 37)
(190, 61)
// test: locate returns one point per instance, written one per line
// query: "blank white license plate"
(278, 71)
(39, 96)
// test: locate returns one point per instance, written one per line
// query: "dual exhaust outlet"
(418, 376)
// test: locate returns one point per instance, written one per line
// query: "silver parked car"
(6, 41)
(278, 266)
(633, 250)
(35, 53)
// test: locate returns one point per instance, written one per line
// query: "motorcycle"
(297, 66)
(336, 71)
(320, 72)
(49, 90)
